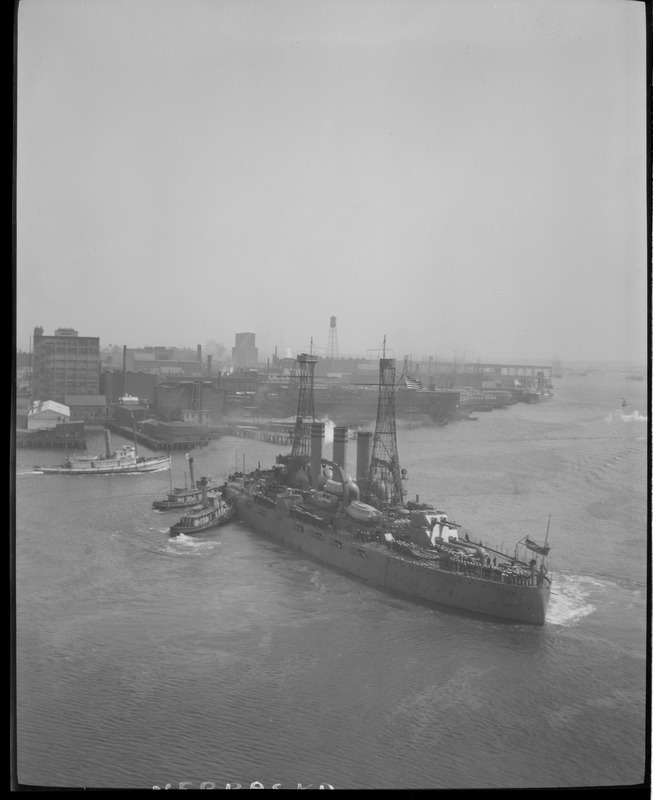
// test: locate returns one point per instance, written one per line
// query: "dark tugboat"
(213, 511)
(186, 496)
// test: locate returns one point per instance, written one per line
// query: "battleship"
(368, 529)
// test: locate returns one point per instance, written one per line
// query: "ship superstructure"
(366, 528)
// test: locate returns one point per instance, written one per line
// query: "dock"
(155, 443)
(36, 440)
(275, 433)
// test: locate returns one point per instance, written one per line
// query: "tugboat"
(212, 512)
(373, 533)
(123, 460)
(185, 496)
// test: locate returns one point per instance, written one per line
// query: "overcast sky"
(465, 177)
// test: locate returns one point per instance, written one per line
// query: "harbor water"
(225, 660)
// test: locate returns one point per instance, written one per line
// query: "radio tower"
(332, 344)
(301, 443)
(385, 474)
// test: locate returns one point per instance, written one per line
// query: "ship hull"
(213, 512)
(193, 531)
(376, 564)
(173, 505)
(116, 469)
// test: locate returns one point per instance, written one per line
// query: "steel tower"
(385, 474)
(332, 343)
(301, 444)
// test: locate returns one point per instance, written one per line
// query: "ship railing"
(468, 566)
(263, 500)
(307, 516)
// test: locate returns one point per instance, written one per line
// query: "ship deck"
(500, 570)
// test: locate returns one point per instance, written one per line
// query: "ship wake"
(620, 415)
(185, 545)
(570, 599)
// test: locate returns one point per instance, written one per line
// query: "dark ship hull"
(417, 573)
(193, 524)
(216, 512)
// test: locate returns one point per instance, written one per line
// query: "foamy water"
(619, 415)
(572, 598)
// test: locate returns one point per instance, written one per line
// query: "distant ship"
(535, 391)
(533, 395)
(123, 460)
(369, 530)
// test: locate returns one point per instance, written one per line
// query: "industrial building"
(64, 364)
(164, 360)
(245, 354)
(47, 415)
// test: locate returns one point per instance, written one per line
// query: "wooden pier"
(50, 442)
(159, 444)
(256, 432)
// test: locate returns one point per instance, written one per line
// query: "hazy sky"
(463, 176)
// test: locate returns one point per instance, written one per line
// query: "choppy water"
(225, 659)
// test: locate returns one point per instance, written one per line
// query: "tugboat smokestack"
(107, 443)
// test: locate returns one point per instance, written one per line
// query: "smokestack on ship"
(317, 438)
(205, 496)
(340, 447)
(363, 440)
(107, 443)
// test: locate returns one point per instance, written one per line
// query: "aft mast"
(385, 474)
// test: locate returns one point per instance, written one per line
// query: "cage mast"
(301, 445)
(385, 474)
